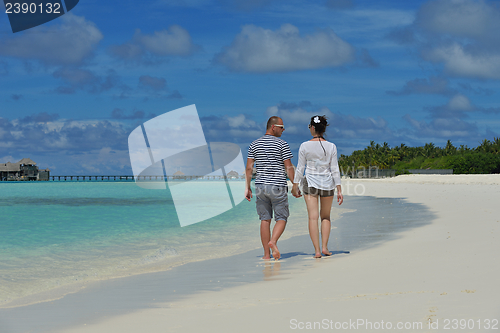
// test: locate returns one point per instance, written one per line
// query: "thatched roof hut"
(10, 167)
(26, 161)
(232, 174)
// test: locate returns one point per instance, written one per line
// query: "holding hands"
(295, 191)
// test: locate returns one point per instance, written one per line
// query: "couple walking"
(272, 158)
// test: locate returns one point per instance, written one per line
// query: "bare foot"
(326, 252)
(274, 248)
(266, 257)
(317, 255)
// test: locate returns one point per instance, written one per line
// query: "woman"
(322, 175)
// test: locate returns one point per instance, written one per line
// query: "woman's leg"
(326, 225)
(313, 212)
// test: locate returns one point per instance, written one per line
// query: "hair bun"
(319, 123)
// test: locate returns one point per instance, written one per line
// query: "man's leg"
(265, 236)
(281, 213)
(278, 229)
(265, 212)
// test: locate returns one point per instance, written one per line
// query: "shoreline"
(150, 253)
(165, 255)
(235, 271)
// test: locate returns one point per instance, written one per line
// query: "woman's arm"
(335, 170)
(334, 166)
(340, 197)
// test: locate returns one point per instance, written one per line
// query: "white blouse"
(321, 166)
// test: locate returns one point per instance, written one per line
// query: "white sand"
(447, 270)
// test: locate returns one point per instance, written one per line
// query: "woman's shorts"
(306, 189)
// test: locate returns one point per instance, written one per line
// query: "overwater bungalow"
(25, 169)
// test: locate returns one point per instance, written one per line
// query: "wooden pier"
(131, 178)
(88, 178)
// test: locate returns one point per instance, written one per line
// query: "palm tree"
(404, 151)
(496, 146)
(429, 149)
(449, 149)
(393, 156)
(485, 146)
(463, 149)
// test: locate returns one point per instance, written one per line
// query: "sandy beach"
(436, 277)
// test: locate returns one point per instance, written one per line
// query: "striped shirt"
(270, 153)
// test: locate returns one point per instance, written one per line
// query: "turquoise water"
(59, 233)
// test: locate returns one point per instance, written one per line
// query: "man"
(271, 156)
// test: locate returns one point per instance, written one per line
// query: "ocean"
(66, 233)
(56, 237)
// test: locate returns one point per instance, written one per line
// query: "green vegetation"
(485, 158)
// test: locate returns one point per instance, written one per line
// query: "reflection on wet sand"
(271, 268)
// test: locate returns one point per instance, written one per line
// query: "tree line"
(485, 158)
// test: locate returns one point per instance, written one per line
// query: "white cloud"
(460, 62)
(9, 158)
(433, 85)
(448, 121)
(83, 79)
(460, 34)
(261, 50)
(446, 128)
(239, 128)
(460, 103)
(462, 18)
(174, 41)
(56, 135)
(98, 161)
(241, 121)
(457, 107)
(152, 82)
(69, 43)
(378, 19)
(342, 127)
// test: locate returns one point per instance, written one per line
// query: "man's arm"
(248, 178)
(290, 170)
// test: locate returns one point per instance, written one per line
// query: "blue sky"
(390, 71)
